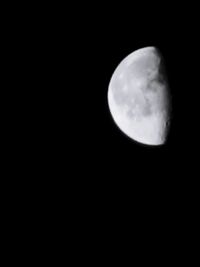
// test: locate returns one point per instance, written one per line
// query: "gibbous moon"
(139, 98)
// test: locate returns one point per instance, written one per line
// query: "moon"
(139, 97)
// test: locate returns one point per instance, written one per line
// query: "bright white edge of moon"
(151, 129)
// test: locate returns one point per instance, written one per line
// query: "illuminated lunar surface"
(139, 99)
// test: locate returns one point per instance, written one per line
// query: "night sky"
(63, 137)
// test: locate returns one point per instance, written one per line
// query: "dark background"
(92, 45)
(74, 165)
(75, 138)
(65, 58)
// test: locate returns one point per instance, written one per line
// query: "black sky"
(79, 54)
(66, 58)
(71, 162)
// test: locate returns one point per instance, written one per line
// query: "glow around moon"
(138, 97)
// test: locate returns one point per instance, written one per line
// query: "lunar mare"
(138, 97)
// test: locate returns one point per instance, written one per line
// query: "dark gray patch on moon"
(147, 108)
